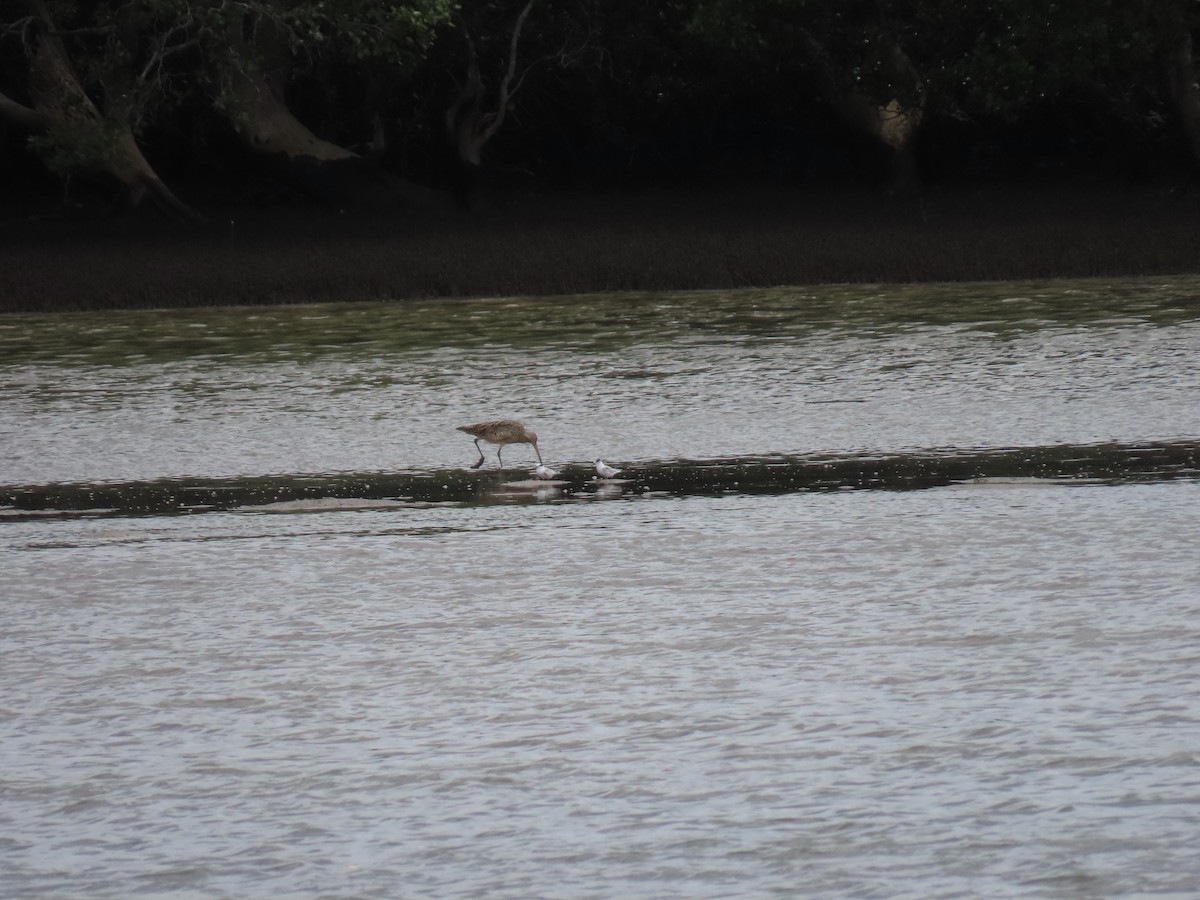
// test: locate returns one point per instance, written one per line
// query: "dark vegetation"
(193, 152)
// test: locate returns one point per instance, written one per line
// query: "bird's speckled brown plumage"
(501, 432)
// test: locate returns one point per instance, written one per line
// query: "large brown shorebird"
(501, 432)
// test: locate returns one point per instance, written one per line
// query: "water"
(369, 388)
(720, 677)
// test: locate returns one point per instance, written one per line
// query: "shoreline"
(567, 244)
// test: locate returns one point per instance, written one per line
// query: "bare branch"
(24, 117)
(20, 26)
(512, 49)
(165, 50)
(505, 93)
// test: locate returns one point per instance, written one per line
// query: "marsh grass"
(569, 244)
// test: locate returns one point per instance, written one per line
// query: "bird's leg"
(499, 461)
(480, 449)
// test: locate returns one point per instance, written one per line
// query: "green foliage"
(987, 58)
(854, 40)
(1022, 54)
(605, 75)
(367, 29)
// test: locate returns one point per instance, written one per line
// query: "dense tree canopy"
(350, 101)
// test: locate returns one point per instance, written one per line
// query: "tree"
(593, 86)
(87, 125)
(99, 73)
(253, 51)
(1126, 61)
(854, 52)
(471, 121)
(1167, 27)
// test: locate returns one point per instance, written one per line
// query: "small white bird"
(604, 470)
(544, 472)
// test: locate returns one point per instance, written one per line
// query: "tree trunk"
(893, 123)
(79, 138)
(469, 126)
(464, 132)
(267, 125)
(1181, 79)
(252, 81)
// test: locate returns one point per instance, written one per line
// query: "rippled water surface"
(381, 387)
(761, 664)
